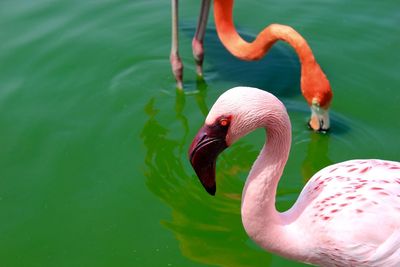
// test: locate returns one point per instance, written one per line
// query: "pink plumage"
(354, 207)
(348, 214)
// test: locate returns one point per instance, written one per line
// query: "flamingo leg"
(197, 43)
(176, 62)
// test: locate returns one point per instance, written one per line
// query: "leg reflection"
(201, 95)
(317, 155)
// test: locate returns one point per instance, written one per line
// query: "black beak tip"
(211, 190)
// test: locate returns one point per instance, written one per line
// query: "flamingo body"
(354, 209)
(348, 214)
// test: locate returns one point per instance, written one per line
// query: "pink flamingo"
(315, 87)
(348, 214)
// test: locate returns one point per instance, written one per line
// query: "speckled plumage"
(353, 208)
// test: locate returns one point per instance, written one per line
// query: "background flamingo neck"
(223, 12)
(312, 77)
(263, 223)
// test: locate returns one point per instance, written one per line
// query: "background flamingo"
(348, 214)
(315, 86)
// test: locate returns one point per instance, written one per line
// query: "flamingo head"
(317, 91)
(236, 113)
(209, 142)
(319, 120)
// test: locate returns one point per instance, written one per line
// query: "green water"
(93, 139)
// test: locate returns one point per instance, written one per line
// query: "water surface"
(94, 136)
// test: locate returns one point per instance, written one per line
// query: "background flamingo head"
(236, 113)
(317, 91)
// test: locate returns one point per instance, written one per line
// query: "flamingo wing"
(352, 212)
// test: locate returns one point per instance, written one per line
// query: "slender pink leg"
(176, 62)
(197, 43)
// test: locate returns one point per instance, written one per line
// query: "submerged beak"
(319, 118)
(206, 146)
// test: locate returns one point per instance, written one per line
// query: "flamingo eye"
(224, 122)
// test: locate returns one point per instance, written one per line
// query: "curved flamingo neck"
(263, 223)
(223, 11)
(314, 84)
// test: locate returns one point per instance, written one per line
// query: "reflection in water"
(201, 95)
(179, 105)
(316, 156)
(209, 229)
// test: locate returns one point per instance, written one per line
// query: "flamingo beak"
(203, 152)
(319, 118)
